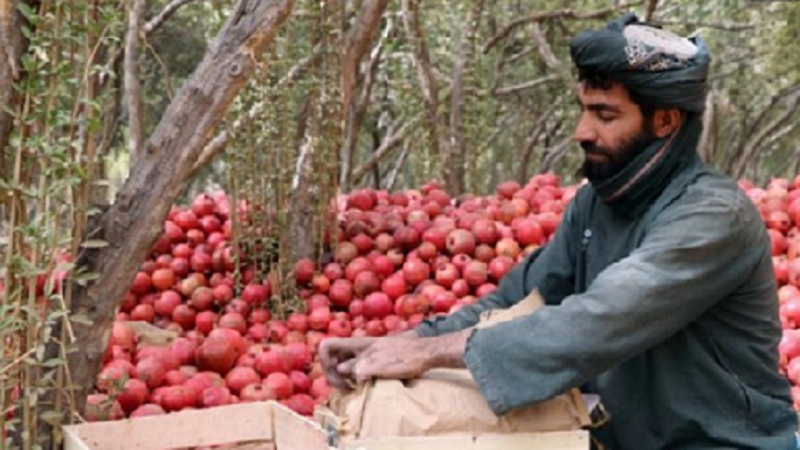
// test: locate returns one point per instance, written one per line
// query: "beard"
(616, 159)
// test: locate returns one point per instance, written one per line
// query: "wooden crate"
(271, 426)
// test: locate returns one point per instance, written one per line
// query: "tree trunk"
(425, 76)
(133, 87)
(358, 44)
(134, 222)
(453, 165)
(12, 46)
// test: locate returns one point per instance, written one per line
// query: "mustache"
(592, 148)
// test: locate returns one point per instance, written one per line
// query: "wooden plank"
(295, 432)
(557, 440)
(221, 425)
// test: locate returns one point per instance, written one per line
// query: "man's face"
(612, 130)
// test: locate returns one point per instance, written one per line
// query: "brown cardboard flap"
(448, 402)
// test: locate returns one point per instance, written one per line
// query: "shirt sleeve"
(688, 261)
(550, 269)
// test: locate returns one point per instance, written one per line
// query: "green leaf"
(82, 319)
(55, 362)
(52, 416)
(94, 243)
(65, 267)
(27, 11)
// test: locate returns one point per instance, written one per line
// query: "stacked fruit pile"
(779, 204)
(398, 258)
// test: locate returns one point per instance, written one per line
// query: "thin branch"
(567, 13)
(133, 87)
(553, 154)
(159, 19)
(550, 58)
(754, 144)
(704, 146)
(359, 41)
(734, 27)
(774, 101)
(517, 88)
(517, 56)
(392, 177)
(357, 107)
(454, 162)
(221, 139)
(300, 68)
(425, 75)
(539, 127)
(392, 139)
(651, 9)
(781, 133)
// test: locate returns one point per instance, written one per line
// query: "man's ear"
(666, 121)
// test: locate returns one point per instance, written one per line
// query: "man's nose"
(584, 132)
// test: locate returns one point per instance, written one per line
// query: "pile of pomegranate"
(398, 258)
(779, 204)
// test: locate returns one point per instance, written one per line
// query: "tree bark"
(453, 165)
(359, 41)
(753, 144)
(221, 139)
(159, 19)
(12, 46)
(393, 137)
(425, 76)
(133, 87)
(134, 222)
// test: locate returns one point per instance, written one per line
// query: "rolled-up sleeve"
(687, 262)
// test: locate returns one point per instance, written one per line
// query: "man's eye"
(605, 117)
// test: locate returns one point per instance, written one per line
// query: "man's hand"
(338, 356)
(401, 358)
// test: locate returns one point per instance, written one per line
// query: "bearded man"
(659, 287)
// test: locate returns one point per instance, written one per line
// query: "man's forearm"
(447, 351)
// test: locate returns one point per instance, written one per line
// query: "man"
(659, 284)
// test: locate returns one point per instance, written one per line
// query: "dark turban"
(668, 70)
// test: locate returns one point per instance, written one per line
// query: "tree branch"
(392, 139)
(567, 13)
(735, 27)
(392, 176)
(517, 88)
(651, 9)
(220, 141)
(550, 58)
(425, 75)
(12, 46)
(454, 157)
(159, 19)
(357, 105)
(704, 146)
(754, 144)
(359, 41)
(530, 143)
(135, 220)
(133, 88)
(553, 154)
